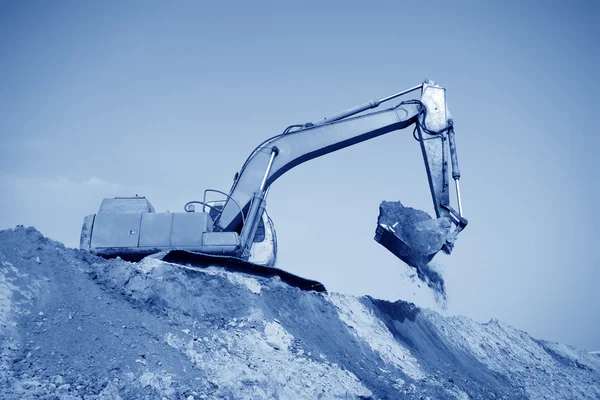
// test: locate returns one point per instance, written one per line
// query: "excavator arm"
(300, 143)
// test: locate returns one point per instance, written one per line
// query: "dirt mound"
(74, 326)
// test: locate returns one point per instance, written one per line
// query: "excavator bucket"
(410, 234)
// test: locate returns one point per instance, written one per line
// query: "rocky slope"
(76, 326)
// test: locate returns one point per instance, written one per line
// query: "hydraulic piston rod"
(274, 152)
(257, 207)
(455, 169)
(365, 106)
(458, 197)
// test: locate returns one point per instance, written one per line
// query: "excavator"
(235, 231)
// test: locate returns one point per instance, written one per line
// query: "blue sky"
(166, 99)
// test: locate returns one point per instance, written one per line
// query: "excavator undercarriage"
(237, 233)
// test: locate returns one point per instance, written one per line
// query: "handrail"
(230, 198)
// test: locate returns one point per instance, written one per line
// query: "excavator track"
(234, 264)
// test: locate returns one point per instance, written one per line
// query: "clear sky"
(165, 99)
